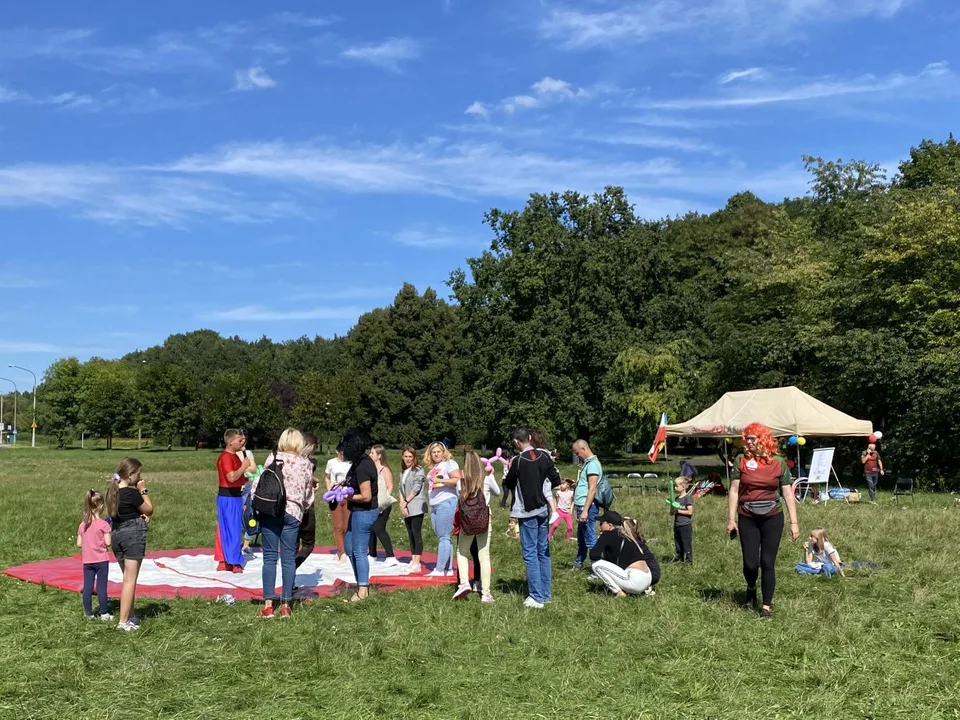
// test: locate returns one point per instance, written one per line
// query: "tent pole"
(726, 461)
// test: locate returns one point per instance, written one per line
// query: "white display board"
(821, 466)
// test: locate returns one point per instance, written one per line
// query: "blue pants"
(441, 517)
(535, 549)
(586, 532)
(279, 539)
(357, 542)
(99, 572)
(828, 569)
(229, 531)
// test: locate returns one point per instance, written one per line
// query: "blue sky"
(216, 164)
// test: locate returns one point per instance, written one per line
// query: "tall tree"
(59, 413)
(107, 399)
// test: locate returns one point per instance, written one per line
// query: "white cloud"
(475, 108)
(388, 54)
(632, 23)
(254, 78)
(260, 313)
(545, 91)
(308, 21)
(754, 73)
(933, 76)
(420, 237)
(519, 102)
(12, 346)
(655, 142)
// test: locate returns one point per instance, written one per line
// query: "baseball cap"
(612, 517)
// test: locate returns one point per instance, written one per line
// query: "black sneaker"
(751, 599)
(766, 614)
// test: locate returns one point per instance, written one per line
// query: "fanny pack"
(761, 507)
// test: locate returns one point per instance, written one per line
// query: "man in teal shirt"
(583, 506)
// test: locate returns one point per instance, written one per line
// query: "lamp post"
(33, 425)
(15, 393)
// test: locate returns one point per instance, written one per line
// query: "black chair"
(903, 486)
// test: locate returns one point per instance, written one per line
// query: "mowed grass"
(878, 644)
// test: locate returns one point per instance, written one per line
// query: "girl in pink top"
(93, 539)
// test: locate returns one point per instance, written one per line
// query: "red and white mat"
(193, 573)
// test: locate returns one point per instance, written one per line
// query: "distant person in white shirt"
(334, 474)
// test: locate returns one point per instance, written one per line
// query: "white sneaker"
(487, 598)
(436, 573)
(127, 627)
(391, 562)
(650, 591)
(531, 603)
(416, 568)
(106, 616)
(554, 516)
(462, 592)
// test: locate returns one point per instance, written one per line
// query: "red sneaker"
(237, 569)
(222, 567)
(266, 612)
(284, 611)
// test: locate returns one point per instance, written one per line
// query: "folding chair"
(615, 481)
(903, 486)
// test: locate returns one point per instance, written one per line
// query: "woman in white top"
(385, 501)
(442, 474)
(820, 556)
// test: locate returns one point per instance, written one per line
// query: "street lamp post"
(33, 425)
(15, 393)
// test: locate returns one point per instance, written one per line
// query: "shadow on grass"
(737, 599)
(512, 586)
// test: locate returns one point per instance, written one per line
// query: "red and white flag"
(659, 440)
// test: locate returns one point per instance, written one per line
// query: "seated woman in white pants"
(621, 557)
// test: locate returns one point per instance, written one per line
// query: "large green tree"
(107, 399)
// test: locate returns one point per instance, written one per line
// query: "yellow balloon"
(801, 441)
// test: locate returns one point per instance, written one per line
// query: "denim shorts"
(129, 539)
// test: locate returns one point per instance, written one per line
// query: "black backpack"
(270, 498)
(474, 514)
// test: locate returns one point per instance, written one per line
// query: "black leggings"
(415, 533)
(307, 536)
(378, 531)
(760, 542)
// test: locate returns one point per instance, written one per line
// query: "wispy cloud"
(934, 75)
(308, 21)
(476, 108)
(754, 73)
(260, 313)
(577, 27)
(255, 182)
(422, 237)
(545, 91)
(253, 78)
(388, 54)
(12, 346)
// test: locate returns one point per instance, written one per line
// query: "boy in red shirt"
(230, 472)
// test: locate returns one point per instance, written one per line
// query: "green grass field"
(881, 644)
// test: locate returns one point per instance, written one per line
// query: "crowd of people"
(279, 501)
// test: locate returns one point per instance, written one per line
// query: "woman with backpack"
(281, 495)
(473, 510)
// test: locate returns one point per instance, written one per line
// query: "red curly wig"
(766, 444)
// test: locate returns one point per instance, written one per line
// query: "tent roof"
(786, 411)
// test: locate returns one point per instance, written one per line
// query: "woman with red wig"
(758, 477)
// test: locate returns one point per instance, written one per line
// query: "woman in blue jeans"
(362, 477)
(279, 534)
(443, 474)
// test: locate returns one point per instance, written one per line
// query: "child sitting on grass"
(820, 556)
(93, 539)
(682, 522)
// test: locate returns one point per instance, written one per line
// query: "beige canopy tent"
(786, 411)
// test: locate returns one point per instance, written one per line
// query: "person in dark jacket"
(531, 478)
(621, 557)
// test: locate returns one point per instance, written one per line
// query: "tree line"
(588, 320)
